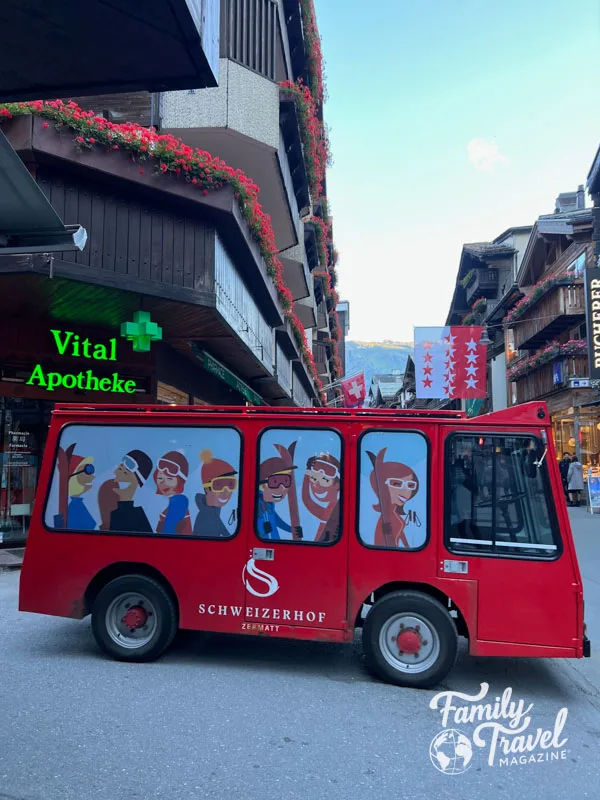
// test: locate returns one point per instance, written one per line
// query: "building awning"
(28, 223)
(61, 49)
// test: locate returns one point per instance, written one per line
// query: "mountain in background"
(376, 357)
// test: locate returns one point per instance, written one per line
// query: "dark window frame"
(251, 29)
(143, 534)
(427, 540)
(455, 548)
(297, 542)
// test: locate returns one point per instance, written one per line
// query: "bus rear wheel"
(409, 639)
(134, 619)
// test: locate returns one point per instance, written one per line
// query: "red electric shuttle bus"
(417, 526)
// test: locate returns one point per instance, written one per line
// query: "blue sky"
(450, 121)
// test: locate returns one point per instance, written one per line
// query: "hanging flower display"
(314, 55)
(167, 154)
(479, 306)
(467, 279)
(468, 319)
(535, 293)
(552, 351)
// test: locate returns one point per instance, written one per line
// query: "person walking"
(563, 466)
(575, 480)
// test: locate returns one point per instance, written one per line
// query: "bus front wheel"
(410, 639)
(134, 619)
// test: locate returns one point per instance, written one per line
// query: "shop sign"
(70, 344)
(579, 383)
(592, 310)
(593, 487)
(216, 368)
(19, 449)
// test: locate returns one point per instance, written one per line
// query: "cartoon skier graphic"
(116, 496)
(276, 482)
(170, 476)
(219, 481)
(76, 475)
(394, 484)
(321, 493)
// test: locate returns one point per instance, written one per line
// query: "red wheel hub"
(135, 618)
(409, 641)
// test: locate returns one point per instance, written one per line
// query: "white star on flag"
(472, 357)
(450, 339)
(472, 345)
(471, 370)
(471, 383)
(449, 350)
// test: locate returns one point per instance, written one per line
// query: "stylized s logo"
(252, 571)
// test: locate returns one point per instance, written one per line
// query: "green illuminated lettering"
(54, 380)
(61, 345)
(37, 374)
(80, 378)
(100, 353)
(117, 384)
(105, 384)
(130, 387)
(113, 350)
(76, 346)
(86, 348)
(93, 380)
(69, 381)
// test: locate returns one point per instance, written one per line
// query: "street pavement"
(227, 717)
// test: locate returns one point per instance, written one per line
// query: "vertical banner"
(450, 362)
(592, 319)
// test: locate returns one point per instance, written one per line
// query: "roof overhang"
(28, 223)
(157, 45)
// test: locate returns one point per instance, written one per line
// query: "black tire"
(434, 615)
(164, 614)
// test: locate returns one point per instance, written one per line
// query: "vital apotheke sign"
(141, 332)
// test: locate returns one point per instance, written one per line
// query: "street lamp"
(485, 339)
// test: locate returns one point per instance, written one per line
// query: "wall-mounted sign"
(68, 343)
(579, 383)
(141, 332)
(592, 313)
(220, 371)
(557, 372)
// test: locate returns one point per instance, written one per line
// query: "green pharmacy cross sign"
(141, 332)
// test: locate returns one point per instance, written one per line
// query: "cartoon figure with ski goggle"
(219, 481)
(76, 476)
(170, 476)
(394, 484)
(321, 493)
(116, 496)
(276, 482)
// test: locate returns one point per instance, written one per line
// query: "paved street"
(229, 717)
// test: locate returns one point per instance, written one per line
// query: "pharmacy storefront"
(42, 364)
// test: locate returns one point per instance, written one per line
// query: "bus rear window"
(498, 500)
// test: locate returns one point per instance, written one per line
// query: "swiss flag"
(354, 390)
(450, 362)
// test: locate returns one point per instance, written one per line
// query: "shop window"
(299, 485)
(177, 481)
(497, 498)
(393, 489)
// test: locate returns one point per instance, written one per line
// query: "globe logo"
(451, 752)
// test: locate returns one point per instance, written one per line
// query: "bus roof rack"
(251, 410)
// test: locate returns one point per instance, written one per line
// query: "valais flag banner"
(354, 391)
(450, 362)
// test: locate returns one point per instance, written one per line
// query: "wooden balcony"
(540, 382)
(562, 306)
(484, 283)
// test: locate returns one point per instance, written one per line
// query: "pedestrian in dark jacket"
(563, 466)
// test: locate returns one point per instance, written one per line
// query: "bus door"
(296, 571)
(501, 522)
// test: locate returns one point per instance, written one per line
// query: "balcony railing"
(284, 370)
(550, 377)
(484, 283)
(239, 309)
(558, 309)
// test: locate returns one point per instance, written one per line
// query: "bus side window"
(300, 474)
(393, 490)
(497, 498)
